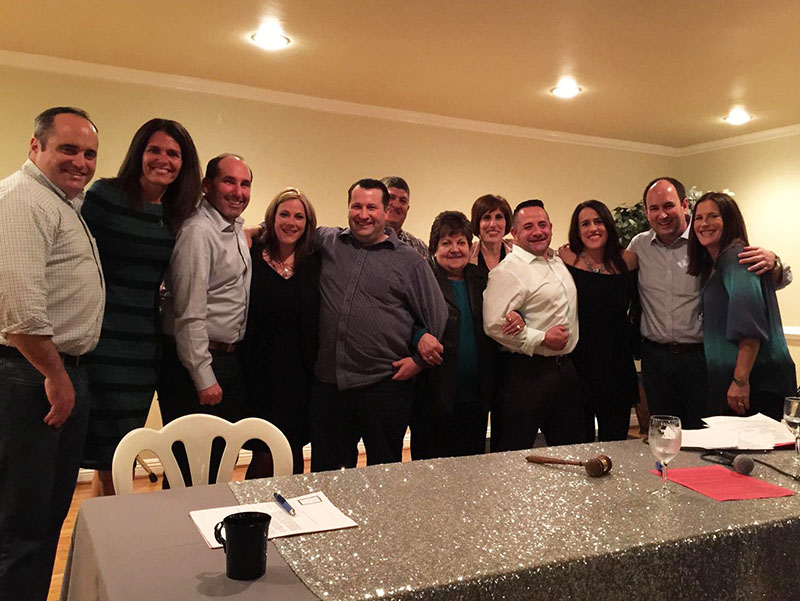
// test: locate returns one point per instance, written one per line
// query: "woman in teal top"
(749, 367)
(134, 218)
(451, 400)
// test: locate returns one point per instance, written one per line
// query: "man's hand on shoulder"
(211, 395)
(556, 338)
(61, 395)
(252, 232)
(406, 368)
(758, 260)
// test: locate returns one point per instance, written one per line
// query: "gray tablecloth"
(145, 547)
(498, 527)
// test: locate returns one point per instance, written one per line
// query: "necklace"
(284, 268)
(591, 267)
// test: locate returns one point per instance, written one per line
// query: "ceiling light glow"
(567, 88)
(737, 116)
(270, 36)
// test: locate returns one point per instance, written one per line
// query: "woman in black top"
(281, 340)
(605, 278)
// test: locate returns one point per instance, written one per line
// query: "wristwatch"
(740, 383)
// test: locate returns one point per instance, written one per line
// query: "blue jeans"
(38, 471)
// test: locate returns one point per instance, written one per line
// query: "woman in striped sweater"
(134, 218)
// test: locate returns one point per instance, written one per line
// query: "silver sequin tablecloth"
(497, 527)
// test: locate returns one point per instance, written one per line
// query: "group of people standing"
(152, 283)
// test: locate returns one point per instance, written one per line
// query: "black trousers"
(539, 393)
(177, 396)
(378, 413)
(456, 435)
(675, 383)
(613, 418)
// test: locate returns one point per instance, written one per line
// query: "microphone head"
(743, 464)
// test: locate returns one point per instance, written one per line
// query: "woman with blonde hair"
(280, 344)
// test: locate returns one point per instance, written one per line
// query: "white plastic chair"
(197, 432)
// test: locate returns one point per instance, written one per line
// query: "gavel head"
(598, 466)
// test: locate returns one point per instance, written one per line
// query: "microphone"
(742, 464)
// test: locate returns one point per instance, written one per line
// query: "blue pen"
(284, 503)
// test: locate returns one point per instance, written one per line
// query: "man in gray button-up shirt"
(673, 363)
(374, 291)
(205, 309)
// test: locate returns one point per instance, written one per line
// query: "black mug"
(245, 544)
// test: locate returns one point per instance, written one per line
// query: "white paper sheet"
(314, 513)
(757, 432)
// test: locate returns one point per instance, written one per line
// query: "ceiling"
(654, 72)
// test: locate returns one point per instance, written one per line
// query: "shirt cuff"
(203, 378)
(532, 340)
(31, 326)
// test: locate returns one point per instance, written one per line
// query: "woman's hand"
(513, 324)
(430, 349)
(739, 397)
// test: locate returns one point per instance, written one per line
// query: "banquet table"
(485, 527)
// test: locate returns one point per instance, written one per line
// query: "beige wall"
(323, 153)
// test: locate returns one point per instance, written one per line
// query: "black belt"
(13, 353)
(676, 348)
(557, 360)
(213, 345)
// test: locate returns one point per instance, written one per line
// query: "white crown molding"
(64, 66)
(743, 140)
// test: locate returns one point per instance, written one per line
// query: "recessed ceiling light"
(737, 116)
(567, 88)
(270, 36)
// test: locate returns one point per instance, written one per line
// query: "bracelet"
(740, 383)
(778, 268)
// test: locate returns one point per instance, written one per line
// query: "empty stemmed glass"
(664, 439)
(791, 415)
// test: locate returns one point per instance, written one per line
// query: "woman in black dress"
(605, 277)
(281, 341)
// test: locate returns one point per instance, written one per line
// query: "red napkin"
(723, 484)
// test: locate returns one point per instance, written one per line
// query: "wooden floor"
(142, 484)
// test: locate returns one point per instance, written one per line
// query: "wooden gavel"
(595, 468)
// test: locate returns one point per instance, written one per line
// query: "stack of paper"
(314, 513)
(757, 432)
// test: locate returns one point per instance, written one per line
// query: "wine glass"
(664, 439)
(791, 415)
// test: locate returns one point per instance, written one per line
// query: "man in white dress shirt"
(205, 309)
(541, 385)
